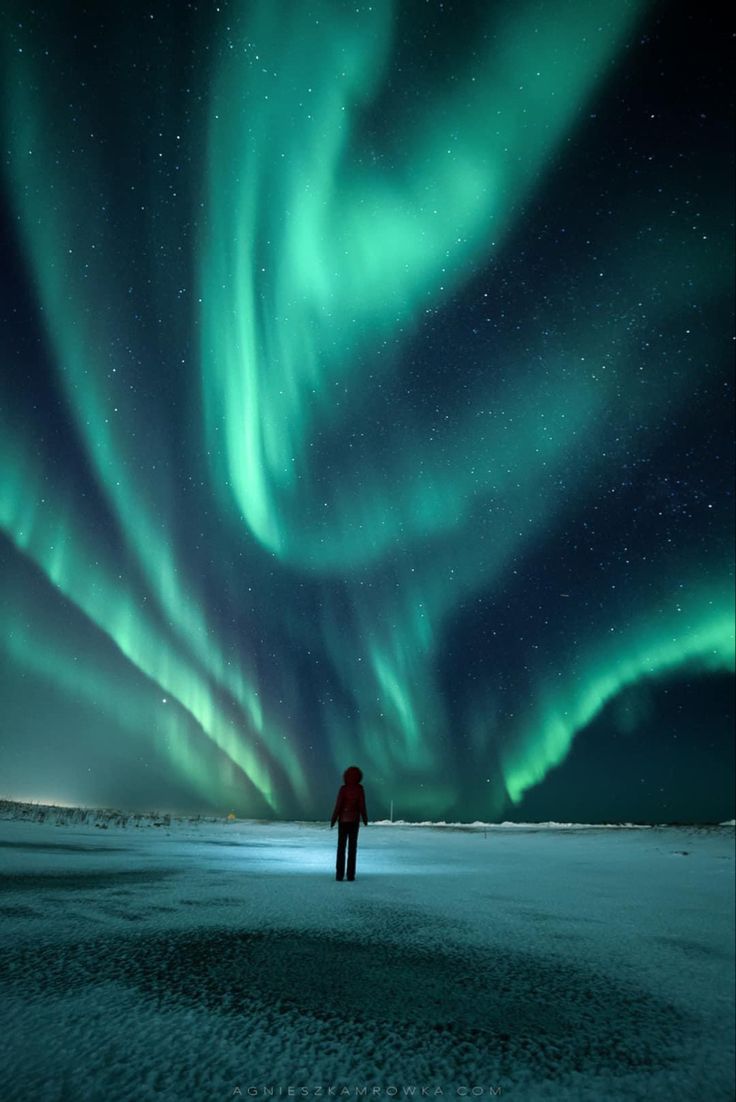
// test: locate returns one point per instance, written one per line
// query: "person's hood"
(352, 775)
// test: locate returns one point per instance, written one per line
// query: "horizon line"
(225, 818)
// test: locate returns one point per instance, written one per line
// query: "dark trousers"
(347, 832)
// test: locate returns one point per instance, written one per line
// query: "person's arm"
(338, 807)
(363, 811)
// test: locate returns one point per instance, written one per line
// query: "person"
(349, 810)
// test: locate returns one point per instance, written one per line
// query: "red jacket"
(350, 803)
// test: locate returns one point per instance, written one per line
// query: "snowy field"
(212, 960)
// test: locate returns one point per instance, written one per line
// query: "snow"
(205, 960)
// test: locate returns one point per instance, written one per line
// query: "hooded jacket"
(350, 803)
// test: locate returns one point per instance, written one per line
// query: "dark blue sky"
(367, 396)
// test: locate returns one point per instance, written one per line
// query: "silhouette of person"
(349, 810)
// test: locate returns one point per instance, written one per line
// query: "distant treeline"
(102, 817)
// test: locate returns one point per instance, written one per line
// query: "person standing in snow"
(349, 810)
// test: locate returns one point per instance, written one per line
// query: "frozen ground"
(211, 961)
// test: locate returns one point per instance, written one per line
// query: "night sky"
(367, 397)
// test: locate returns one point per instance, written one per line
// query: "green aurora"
(243, 518)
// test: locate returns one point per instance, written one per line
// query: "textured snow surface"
(214, 961)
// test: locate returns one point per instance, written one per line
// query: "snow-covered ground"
(210, 960)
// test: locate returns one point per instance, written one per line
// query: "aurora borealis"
(367, 384)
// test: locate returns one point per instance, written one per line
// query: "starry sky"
(367, 397)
